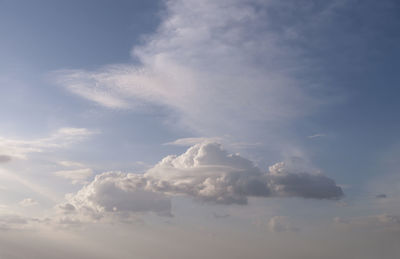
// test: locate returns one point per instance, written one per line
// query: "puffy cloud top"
(208, 172)
(117, 192)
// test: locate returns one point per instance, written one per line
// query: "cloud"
(77, 176)
(290, 179)
(381, 196)
(13, 221)
(221, 216)
(380, 222)
(62, 138)
(192, 141)
(116, 193)
(209, 173)
(317, 136)
(5, 159)
(205, 172)
(280, 224)
(28, 202)
(219, 66)
(70, 164)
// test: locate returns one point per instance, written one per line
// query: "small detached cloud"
(28, 202)
(77, 176)
(221, 216)
(280, 224)
(381, 196)
(192, 141)
(316, 136)
(70, 164)
(205, 172)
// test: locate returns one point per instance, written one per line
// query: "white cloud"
(317, 136)
(205, 172)
(70, 164)
(116, 193)
(209, 173)
(62, 138)
(77, 176)
(217, 64)
(28, 202)
(192, 141)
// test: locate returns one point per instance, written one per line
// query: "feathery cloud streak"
(217, 64)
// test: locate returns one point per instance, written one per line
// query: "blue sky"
(272, 120)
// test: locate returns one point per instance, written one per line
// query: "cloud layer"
(205, 172)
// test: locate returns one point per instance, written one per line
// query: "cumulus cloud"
(205, 172)
(208, 172)
(77, 176)
(116, 192)
(286, 179)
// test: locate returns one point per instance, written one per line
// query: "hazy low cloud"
(380, 222)
(12, 221)
(205, 172)
(280, 224)
(5, 158)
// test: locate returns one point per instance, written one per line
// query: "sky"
(199, 129)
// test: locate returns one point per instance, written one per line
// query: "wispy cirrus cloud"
(219, 66)
(62, 138)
